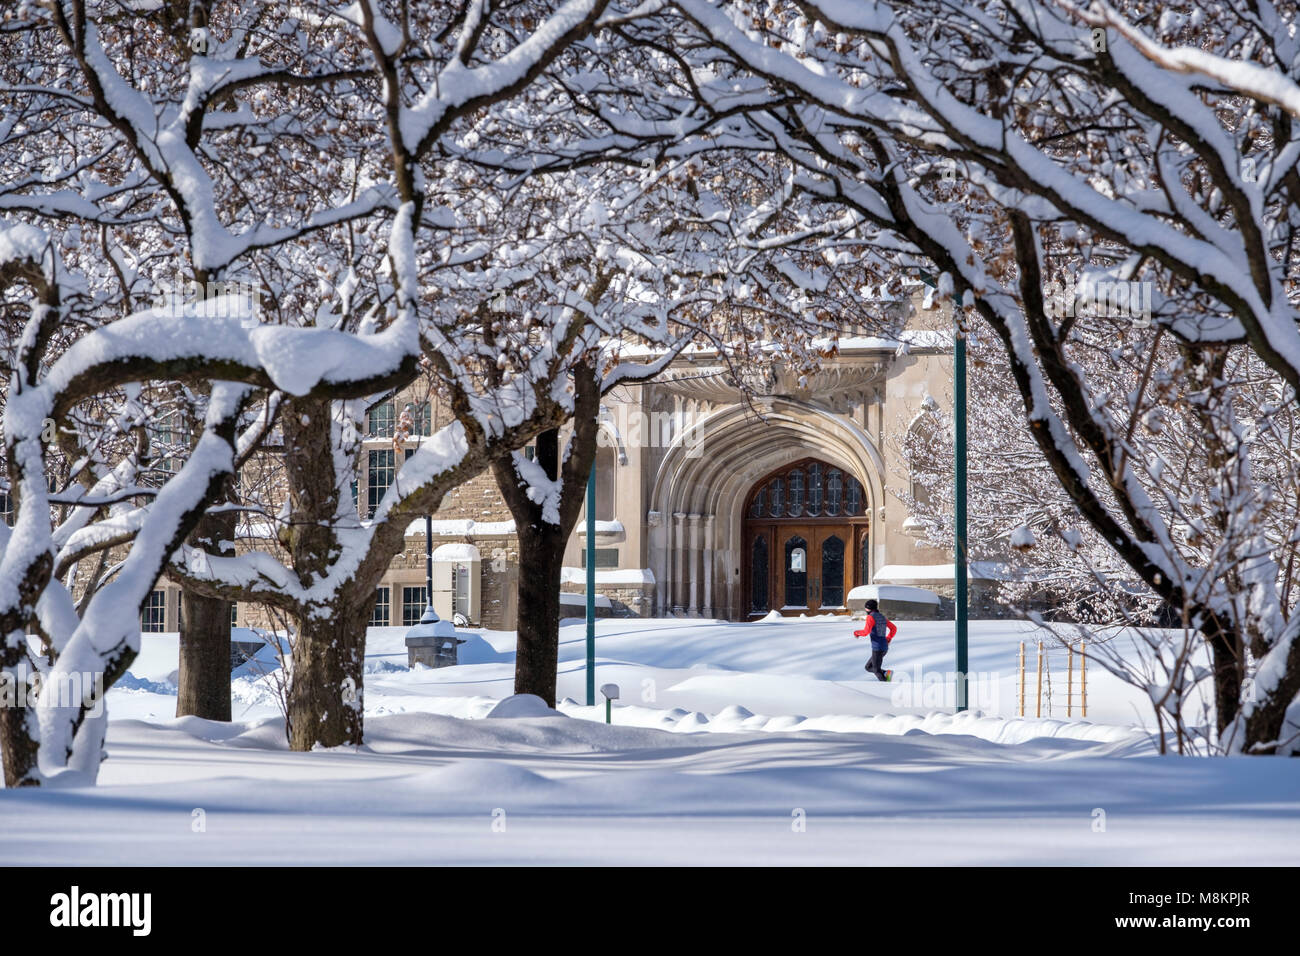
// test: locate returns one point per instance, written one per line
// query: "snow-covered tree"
(81, 651)
(1058, 565)
(431, 69)
(185, 128)
(535, 291)
(1018, 145)
(152, 104)
(674, 240)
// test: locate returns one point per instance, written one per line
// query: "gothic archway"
(806, 539)
(699, 499)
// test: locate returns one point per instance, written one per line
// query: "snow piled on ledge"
(627, 576)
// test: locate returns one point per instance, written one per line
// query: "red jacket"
(890, 629)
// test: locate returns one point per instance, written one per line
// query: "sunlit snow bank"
(784, 674)
(433, 789)
(737, 719)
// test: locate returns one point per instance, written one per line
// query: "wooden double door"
(798, 568)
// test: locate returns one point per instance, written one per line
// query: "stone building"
(708, 505)
(711, 506)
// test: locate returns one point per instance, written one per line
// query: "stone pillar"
(670, 562)
(693, 565)
(708, 565)
(678, 549)
(658, 558)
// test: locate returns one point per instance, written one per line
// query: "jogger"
(881, 631)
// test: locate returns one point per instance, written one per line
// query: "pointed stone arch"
(702, 484)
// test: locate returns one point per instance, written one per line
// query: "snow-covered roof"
(456, 551)
(893, 592)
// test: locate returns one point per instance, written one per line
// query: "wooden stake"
(1069, 680)
(1083, 676)
(1038, 708)
(1022, 678)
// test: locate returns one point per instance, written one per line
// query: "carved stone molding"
(840, 387)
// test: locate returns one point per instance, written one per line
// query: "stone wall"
(626, 600)
(478, 499)
(499, 580)
(637, 599)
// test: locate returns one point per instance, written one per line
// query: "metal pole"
(959, 552)
(591, 586)
(428, 560)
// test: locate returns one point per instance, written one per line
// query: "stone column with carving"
(708, 565)
(678, 554)
(659, 561)
(693, 566)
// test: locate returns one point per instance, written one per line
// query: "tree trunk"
(1266, 727)
(537, 653)
(19, 735)
(204, 683)
(19, 743)
(1229, 670)
(325, 688)
(542, 542)
(203, 687)
(326, 693)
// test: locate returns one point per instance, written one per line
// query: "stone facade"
(680, 460)
(687, 453)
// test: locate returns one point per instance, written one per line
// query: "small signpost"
(611, 694)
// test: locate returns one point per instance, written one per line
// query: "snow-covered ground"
(745, 743)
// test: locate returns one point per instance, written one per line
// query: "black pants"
(877, 658)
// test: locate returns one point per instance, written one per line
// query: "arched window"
(814, 489)
(923, 438)
(854, 499)
(776, 494)
(834, 491)
(809, 489)
(606, 479)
